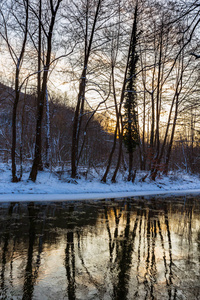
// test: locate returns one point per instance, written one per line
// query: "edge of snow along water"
(89, 196)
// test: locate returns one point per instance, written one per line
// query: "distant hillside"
(97, 141)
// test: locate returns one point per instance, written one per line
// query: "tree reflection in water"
(70, 259)
(5, 241)
(28, 278)
(120, 250)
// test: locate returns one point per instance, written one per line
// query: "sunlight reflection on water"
(113, 249)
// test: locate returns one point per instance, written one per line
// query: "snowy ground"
(53, 186)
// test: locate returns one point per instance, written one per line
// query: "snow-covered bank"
(49, 187)
(88, 196)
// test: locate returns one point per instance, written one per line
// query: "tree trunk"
(38, 143)
(120, 151)
(130, 166)
(13, 150)
(117, 129)
(47, 163)
(77, 123)
(171, 140)
(81, 95)
(17, 95)
(104, 178)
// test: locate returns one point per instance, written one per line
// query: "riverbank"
(90, 196)
(57, 186)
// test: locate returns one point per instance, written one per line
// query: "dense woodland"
(129, 72)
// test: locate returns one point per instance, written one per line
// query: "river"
(113, 249)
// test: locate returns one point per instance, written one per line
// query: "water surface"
(111, 249)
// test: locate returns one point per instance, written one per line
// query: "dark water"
(114, 249)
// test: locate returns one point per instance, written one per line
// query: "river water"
(110, 249)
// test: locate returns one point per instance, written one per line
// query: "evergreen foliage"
(130, 123)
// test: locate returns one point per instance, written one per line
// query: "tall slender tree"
(118, 104)
(18, 61)
(130, 122)
(82, 88)
(42, 94)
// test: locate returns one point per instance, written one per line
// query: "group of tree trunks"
(155, 75)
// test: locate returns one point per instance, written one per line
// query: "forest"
(110, 85)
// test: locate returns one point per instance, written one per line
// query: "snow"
(49, 187)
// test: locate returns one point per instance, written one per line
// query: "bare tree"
(38, 143)
(89, 36)
(18, 61)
